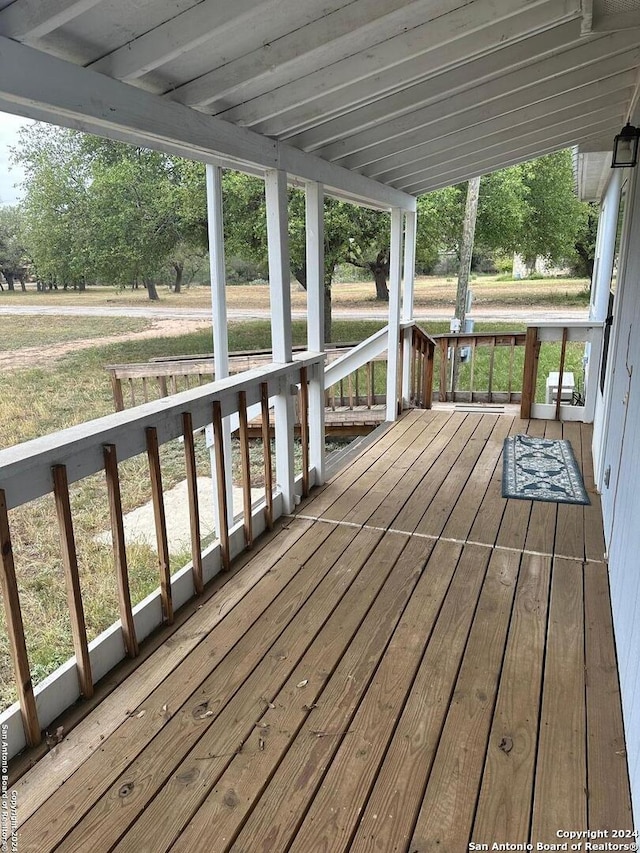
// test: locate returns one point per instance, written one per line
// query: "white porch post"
(395, 281)
(314, 210)
(407, 300)
(219, 319)
(605, 247)
(280, 291)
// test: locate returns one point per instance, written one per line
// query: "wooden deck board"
(451, 679)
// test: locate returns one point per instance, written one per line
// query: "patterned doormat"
(541, 469)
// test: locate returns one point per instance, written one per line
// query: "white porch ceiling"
(413, 94)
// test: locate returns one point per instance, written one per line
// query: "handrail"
(48, 465)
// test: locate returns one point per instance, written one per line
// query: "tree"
(96, 209)
(552, 212)
(55, 204)
(466, 248)
(13, 255)
(352, 234)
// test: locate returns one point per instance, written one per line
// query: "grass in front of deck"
(25, 331)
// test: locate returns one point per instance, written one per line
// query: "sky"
(9, 174)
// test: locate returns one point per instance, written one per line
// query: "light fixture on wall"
(625, 147)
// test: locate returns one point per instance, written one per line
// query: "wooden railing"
(136, 383)
(490, 372)
(574, 334)
(50, 464)
(423, 348)
(364, 385)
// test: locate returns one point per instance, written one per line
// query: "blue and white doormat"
(541, 469)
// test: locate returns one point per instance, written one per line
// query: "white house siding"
(621, 499)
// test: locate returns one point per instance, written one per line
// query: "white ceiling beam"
(514, 125)
(472, 168)
(569, 69)
(470, 72)
(173, 38)
(29, 20)
(471, 18)
(338, 34)
(39, 86)
(537, 132)
(354, 107)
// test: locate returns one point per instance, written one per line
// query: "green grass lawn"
(23, 331)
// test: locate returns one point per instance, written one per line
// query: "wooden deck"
(410, 664)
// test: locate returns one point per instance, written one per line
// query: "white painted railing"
(48, 465)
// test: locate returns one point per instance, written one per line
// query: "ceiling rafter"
(491, 49)
(389, 52)
(473, 167)
(338, 34)
(539, 133)
(501, 114)
(28, 20)
(178, 35)
(529, 121)
(569, 69)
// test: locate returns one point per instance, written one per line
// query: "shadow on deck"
(411, 663)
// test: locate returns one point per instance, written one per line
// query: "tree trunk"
(22, 283)
(380, 274)
(466, 248)
(466, 252)
(179, 268)
(151, 290)
(9, 279)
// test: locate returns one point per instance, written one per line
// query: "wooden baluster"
(563, 352)
(444, 349)
(531, 355)
(131, 392)
(119, 550)
(15, 631)
(427, 387)
(162, 384)
(356, 376)
(174, 384)
(512, 352)
(341, 393)
(145, 389)
(187, 383)
(72, 579)
(116, 387)
(194, 503)
(266, 449)
(350, 390)
(221, 479)
(304, 429)
(164, 565)
(370, 384)
(491, 362)
(473, 362)
(399, 400)
(246, 468)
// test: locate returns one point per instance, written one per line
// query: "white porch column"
(314, 219)
(395, 281)
(280, 292)
(605, 247)
(407, 300)
(219, 319)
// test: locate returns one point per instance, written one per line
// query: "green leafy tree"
(55, 208)
(552, 212)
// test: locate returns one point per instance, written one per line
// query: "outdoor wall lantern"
(625, 147)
